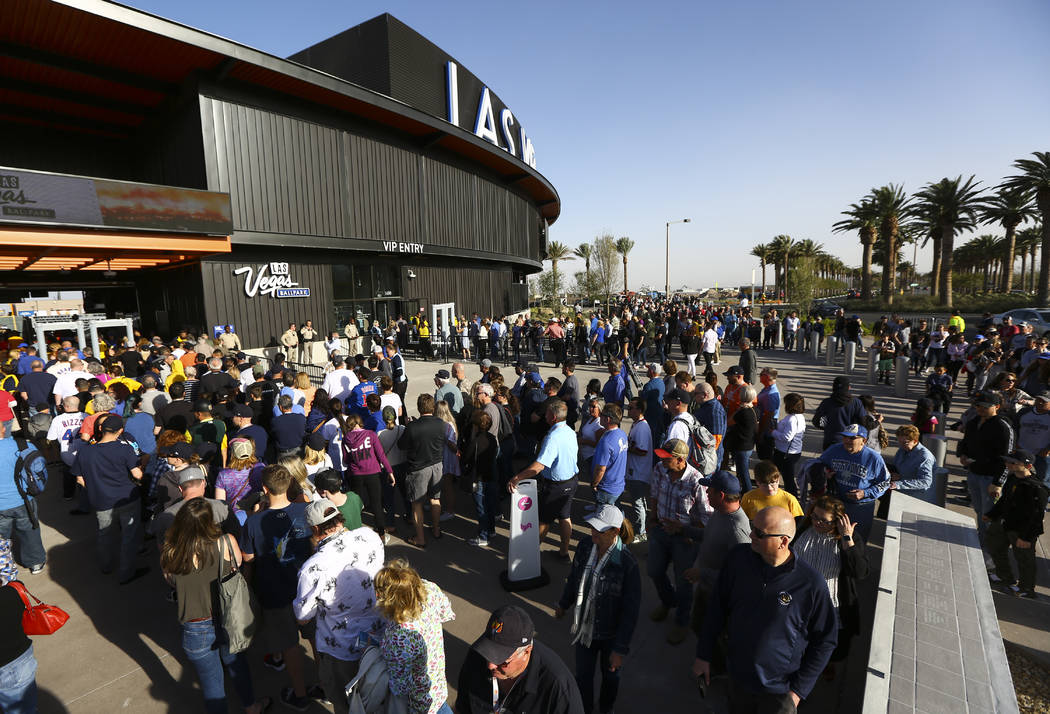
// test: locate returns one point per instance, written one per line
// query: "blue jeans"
(606, 497)
(742, 459)
(486, 501)
(18, 684)
(586, 658)
(207, 651)
(123, 523)
(678, 552)
(445, 709)
(16, 521)
(638, 501)
(981, 501)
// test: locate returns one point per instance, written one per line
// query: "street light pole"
(667, 256)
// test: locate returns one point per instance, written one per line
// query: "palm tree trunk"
(947, 245)
(763, 279)
(935, 272)
(865, 267)
(1031, 279)
(1043, 201)
(1011, 245)
(1024, 265)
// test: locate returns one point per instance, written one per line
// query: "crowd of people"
(231, 463)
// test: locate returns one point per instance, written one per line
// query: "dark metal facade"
(289, 175)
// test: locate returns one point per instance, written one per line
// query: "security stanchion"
(814, 347)
(873, 365)
(900, 380)
(850, 362)
(524, 571)
(829, 352)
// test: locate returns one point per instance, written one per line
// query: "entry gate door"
(443, 327)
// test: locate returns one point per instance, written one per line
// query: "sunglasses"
(759, 533)
(826, 523)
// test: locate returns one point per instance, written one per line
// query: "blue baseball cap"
(722, 481)
(853, 431)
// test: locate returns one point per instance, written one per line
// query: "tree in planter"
(557, 252)
(762, 252)
(1009, 207)
(624, 246)
(863, 218)
(550, 284)
(606, 263)
(890, 204)
(1034, 177)
(583, 252)
(953, 204)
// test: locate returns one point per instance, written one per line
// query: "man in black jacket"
(986, 441)
(1016, 521)
(506, 670)
(781, 622)
(424, 444)
(748, 361)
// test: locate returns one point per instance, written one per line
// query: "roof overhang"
(73, 251)
(103, 68)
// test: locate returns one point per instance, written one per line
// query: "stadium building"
(196, 182)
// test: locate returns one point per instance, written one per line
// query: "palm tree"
(890, 204)
(762, 252)
(952, 205)
(861, 218)
(780, 248)
(980, 251)
(557, 252)
(1009, 207)
(623, 247)
(1035, 178)
(585, 251)
(1028, 240)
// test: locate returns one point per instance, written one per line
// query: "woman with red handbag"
(17, 663)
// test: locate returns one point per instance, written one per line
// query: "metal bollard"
(873, 365)
(941, 416)
(780, 333)
(829, 350)
(938, 446)
(814, 346)
(800, 341)
(900, 380)
(851, 357)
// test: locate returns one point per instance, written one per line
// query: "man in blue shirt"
(856, 474)
(556, 464)
(615, 387)
(18, 516)
(709, 411)
(610, 458)
(653, 394)
(768, 409)
(913, 465)
(109, 471)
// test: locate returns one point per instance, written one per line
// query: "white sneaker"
(641, 538)
(480, 542)
(446, 516)
(989, 563)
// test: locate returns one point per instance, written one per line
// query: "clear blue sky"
(752, 118)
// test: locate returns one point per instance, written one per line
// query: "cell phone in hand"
(701, 687)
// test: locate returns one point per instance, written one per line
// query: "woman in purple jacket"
(365, 460)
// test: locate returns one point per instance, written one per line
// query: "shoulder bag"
(237, 605)
(39, 619)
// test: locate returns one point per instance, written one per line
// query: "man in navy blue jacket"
(780, 619)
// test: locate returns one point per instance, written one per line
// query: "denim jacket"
(618, 598)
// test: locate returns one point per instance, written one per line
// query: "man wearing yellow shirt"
(767, 492)
(956, 321)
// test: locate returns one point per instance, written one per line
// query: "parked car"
(827, 309)
(1038, 319)
(853, 295)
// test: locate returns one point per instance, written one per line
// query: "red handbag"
(39, 619)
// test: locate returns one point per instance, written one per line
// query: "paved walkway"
(120, 650)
